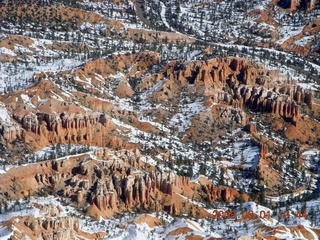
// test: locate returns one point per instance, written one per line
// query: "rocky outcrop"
(10, 132)
(105, 183)
(140, 188)
(113, 185)
(65, 127)
(56, 123)
(238, 83)
(9, 129)
(232, 114)
(59, 228)
(133, 190)
(275, 102)
(51, 225)
(60, 120)
(225, 193)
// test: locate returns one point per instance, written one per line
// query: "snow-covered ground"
(187, 111)
(5, 118)
(263, 217)
(239, 152)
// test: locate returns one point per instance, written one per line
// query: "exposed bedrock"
(238, 82)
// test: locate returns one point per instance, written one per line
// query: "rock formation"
(10, 132)
(138, 190)
(108, 183)
(228, 83)
(52, 226)
(9, 129)
(238, 83)
(225, 193)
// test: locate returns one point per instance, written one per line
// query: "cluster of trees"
(216, 22)
(56, 151)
